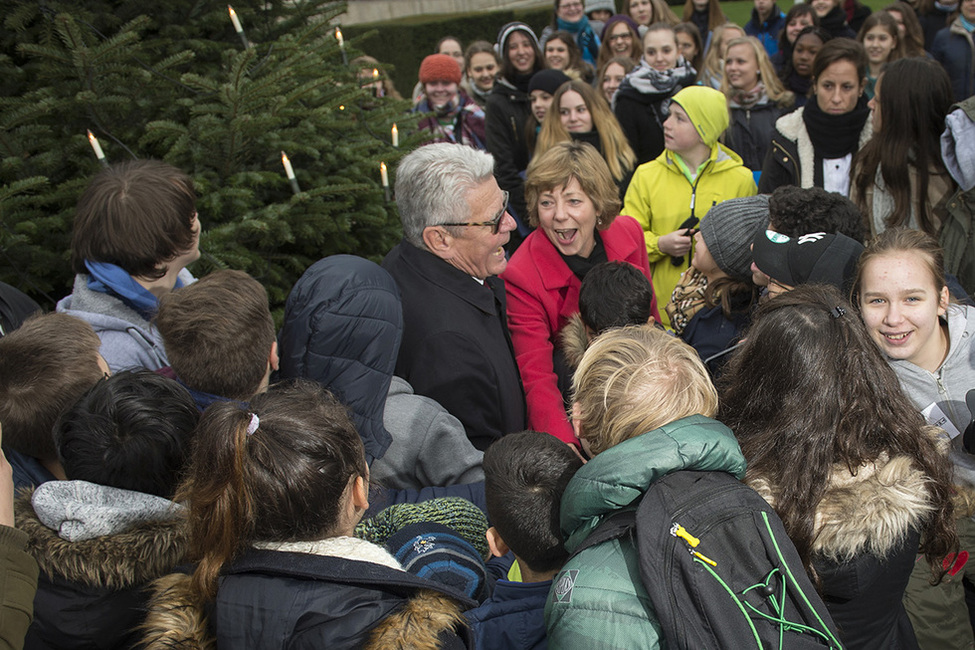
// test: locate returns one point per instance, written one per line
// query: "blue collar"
(114, 280)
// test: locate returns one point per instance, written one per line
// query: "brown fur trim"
(870, 512)
(174, 619)
(418, 624)
(129, 559)
(574, 340)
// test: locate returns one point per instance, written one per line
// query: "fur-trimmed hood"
(574, 340)
(792, 127)
(175, 620)
(870, 512)
(118, 561)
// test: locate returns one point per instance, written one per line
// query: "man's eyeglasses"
(495, 223)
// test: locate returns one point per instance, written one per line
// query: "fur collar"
(175, 620)
(348, 547)
(574, 340)
(870, 512)
(418, 624)
(792, 127)
(119, 561)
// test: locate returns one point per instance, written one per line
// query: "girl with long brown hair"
(832, 443)
(273, 492)
(899, 178)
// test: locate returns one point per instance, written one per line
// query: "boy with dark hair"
(525, 475)
(100, 537)
(219, 336)
(795, 211)
(129, 432)
(45, 366)
(613, 294)
(136, 228)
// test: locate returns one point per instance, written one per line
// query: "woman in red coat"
(573, 204)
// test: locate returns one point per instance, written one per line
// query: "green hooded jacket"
(597, 600)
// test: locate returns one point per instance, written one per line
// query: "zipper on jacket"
(944, 396)
(697, 180)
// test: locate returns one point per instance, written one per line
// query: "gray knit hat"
(605, 5)
(728, 230)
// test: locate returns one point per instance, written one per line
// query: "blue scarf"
(969, 27)
(114, 280)
(586, 38)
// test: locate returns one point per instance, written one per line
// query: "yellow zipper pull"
(679, 531)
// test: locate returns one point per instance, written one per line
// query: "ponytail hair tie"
(253, 424)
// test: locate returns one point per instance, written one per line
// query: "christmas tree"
(179, 83)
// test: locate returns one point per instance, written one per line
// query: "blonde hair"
(563, 162)
(635, 379)
(713, 60)
(616, 148)
(766, 73)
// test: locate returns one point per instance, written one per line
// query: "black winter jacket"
(505, 116)
(456, 347)
(271, 600)
(750, 132)
(91, 593)
(637, 116)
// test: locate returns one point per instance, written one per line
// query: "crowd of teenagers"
(676, 351)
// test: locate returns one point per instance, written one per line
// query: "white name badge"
(937, 418)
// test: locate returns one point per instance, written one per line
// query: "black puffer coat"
(274, 600)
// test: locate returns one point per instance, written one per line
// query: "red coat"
(542, 294)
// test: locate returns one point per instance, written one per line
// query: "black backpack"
(719, 567)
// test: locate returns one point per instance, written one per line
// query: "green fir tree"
(176, 83)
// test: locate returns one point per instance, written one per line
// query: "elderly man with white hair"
(456, 348)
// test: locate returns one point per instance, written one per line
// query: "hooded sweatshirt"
(946, 388)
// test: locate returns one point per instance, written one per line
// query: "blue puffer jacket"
(954, 48)
(767, 31)
(343, 324)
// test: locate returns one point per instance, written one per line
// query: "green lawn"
(740, 12)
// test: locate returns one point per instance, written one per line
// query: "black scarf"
(592, 137)
(701, 19)
(835, 136)
(798, 85)
(520, 81)
(581, 265)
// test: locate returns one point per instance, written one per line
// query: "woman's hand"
(676, 243)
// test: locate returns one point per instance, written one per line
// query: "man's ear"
(495, 543)
(272, 359)
(576, 420)
(437, 240)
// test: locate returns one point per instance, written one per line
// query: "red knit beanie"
(439, 67)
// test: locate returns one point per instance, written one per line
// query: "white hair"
(432, 183)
